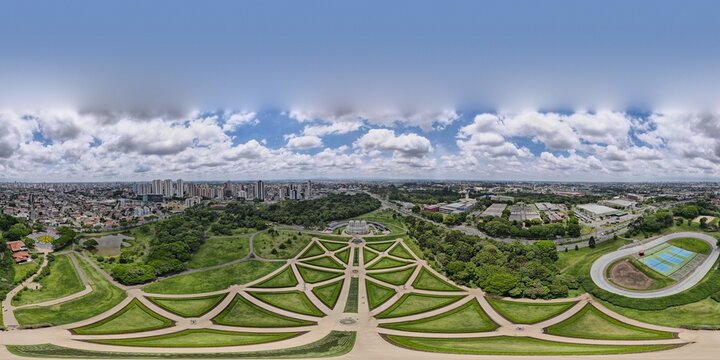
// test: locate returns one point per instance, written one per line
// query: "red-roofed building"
(16, 246)
(22, 257)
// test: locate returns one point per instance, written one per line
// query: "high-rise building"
(157, 186)
(308, 191)
(167, 189)
(180, 191)
(260, 190)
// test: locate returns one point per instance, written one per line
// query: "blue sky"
(402, 85)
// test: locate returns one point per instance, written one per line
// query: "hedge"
(710, 286)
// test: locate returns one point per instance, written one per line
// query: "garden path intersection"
(422, 296)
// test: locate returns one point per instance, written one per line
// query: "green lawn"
(397, 277)
(135, 317)
(287, 244)
(380, 247)
(691, 244)
(377, 294)
(103, 297)
(426, 280)
(463, 319)
(62, 281)
(213, 280)
(701, 313)
(387, 263)
(591, 323)
(412, 303)
(295, 301)
(578, 263)
(401, 252)
(23, 271)
(285, 278)
(329, 293)
(335, 344)
(351, 305)
(314, 276)
(385, 217)
(325, 261)
(529, 313)
(200, 338)
(241, 312)
(344, 255)
(313, 250)
(332, 246)
(368, 255)
(511, 345)
(188, 307)
(217, 251)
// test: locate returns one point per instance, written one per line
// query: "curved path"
(597, 271)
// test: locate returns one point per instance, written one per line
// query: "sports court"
(667, 259)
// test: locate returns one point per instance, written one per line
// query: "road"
(597, 271)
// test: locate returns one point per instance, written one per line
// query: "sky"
(476, 90)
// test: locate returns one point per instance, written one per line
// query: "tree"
(591, 242)
(500, 283)
(90, 244)
(703, 222)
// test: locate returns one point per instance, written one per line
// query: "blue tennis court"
(666, 259)
(680, 252)
(656, 265)
(669, 258)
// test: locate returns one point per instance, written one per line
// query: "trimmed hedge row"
(710, 286)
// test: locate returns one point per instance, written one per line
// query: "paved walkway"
(369, 344)
(599, 267)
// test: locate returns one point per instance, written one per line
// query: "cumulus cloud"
(409, 145)
(235, 120)
(424, 119)
(304, 142)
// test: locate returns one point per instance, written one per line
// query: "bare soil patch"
(625, 274)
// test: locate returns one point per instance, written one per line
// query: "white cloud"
(304, 142)
(406, 145)
(424, 119)
(238, 119)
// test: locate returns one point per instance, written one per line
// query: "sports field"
(668, 259)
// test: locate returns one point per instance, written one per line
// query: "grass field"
(412, 303)
(23, 271)
(287, 244)
(62, 281)
(217, 251)
(314, 276)
(294, 301)
(578, 263)
(591, 323)
(188, 307)
(398, 277)
(380, 247)
(511, 345)
(135, 317)
(369, 255)
(701, 313)
(529, 313)
(690, 244)
(387, 263)
(401, 252)
(329, 293)
(213, 280)
(377, 294)
(241, 312)
(200, 338)
(313, 250)
(332, 246)
(325, 261)
(103, 297)
(335, 344)
(426, 280)
(285, 278)
(344, 255)
(463, 319)
(395, 225)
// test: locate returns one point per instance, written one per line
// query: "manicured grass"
(285, 278)
(294, 301)
(313, 250)
(188, 307)
(351, 305)
(512, 345)
(200, 338)
(387, 263)
(395, 225)
(329, 293)
(412, 303)
(325, 261)
(426, 280)
(331, 237)
(217, 251)
(62, 281)
(344, 255)
(591, 323)
(377, 294)
(213, 280)
(529, 313)
(314, 276)
(380, 247)
(466, 318)
(332, 246)
(413, 246)
(335, 344)
(287, 244)
(135, 317)
(242, 312)
(691, 244)
(369, 255)
(103, 297)
(398, 277)
(578, 263)
(697, 314)
(401, 252)
(23, 271)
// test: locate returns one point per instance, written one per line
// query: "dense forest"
(502, 227)
(420, 196)
(531, 198)
(505, 269)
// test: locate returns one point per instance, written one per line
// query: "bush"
(133, 274)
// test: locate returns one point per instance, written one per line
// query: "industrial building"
(597, 211)
(494, 210)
